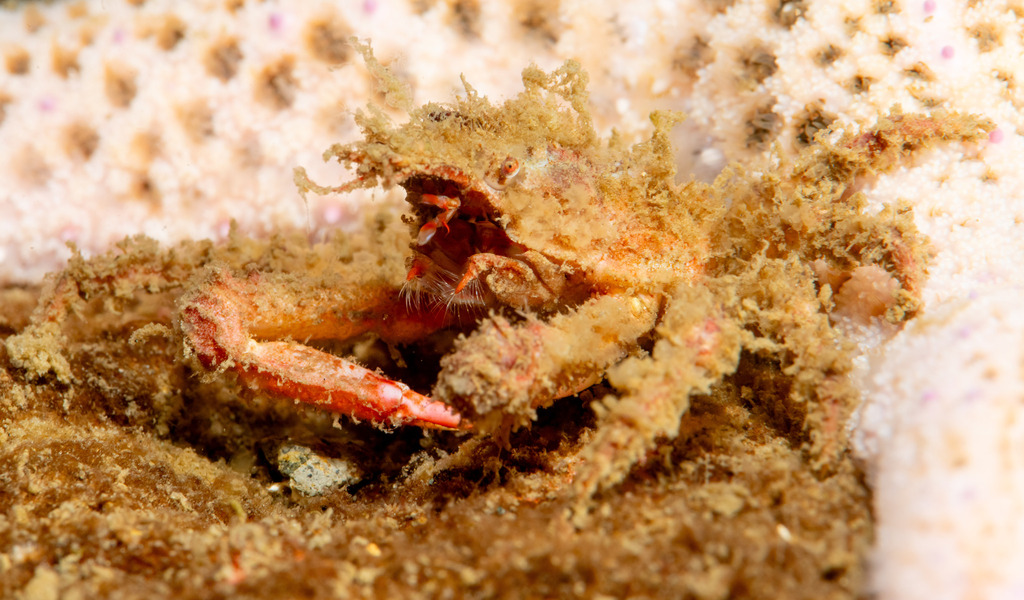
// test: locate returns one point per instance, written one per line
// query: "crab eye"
(510, 167)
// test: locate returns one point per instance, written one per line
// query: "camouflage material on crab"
(590, 205)
(792, 235)
(811, 208)
(755, 262)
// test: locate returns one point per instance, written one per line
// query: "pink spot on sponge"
(336, 213)
(929, 6)
(947, 52)
(69, 233)
(223, 229)
(995, 136)
(275, 21)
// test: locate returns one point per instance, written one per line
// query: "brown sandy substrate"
(140, 479)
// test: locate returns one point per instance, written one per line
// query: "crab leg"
(528, 280)
(530, 289)
(696, 350)
(505, 371)
(225, 317)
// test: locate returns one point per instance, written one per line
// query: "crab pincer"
(228, 326)
(449, 205)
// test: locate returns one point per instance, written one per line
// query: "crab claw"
(426, 233)
(417, 269)
(335, 384)
(223, 327)
(450, 206)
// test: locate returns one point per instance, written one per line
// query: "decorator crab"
(565, 259)
(575, 259)
(516, 207)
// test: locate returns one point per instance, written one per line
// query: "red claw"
(426, 233)
(417, 269)
(450, 205)
(222, 324)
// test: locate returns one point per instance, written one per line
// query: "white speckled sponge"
(173, 118)
(944, 430)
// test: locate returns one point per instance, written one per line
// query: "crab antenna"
(305, 184)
